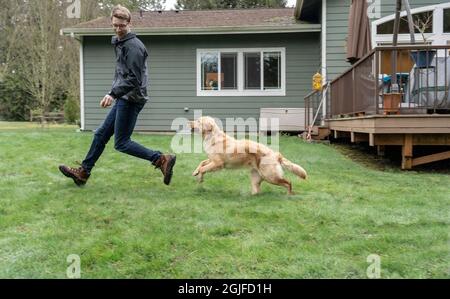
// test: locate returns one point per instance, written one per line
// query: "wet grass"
(125, 223)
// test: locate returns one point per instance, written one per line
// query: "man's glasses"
(120, 25)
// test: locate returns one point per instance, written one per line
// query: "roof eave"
(203, 30)
(298, 9)
(307, 10)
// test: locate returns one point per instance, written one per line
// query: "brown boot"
(166, 164)
(79, 175)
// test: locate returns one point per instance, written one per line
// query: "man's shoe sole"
(168, 176)
(78, 182)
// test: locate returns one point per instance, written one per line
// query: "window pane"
(210, 62)
(228, 65)
(252, 68)
(447, 20)
(423, 20)
(272, 70)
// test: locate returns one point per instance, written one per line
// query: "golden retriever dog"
(225, 151)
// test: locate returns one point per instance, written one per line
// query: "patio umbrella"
(359, 41)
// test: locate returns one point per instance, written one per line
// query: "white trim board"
(199, 30)
(82, 116)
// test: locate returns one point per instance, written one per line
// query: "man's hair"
(121, 12)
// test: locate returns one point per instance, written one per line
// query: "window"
(210, 66)
(419, 19)
(210, 71)
(447, 20)
(434, 21)
(241, 72)
(228, 62)
(272, 70)
(252, 70)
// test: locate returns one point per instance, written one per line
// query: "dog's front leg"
(203, 163)
(212, 166)
(256, 182)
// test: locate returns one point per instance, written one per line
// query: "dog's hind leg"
(282, 182)
(285, 183)
(256, 181)
(274, 175)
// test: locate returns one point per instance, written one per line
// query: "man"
(129, 92)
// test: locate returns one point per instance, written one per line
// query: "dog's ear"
(206, 125)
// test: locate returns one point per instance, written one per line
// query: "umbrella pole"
(410, 21)
(394, 85)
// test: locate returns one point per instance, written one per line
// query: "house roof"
(260, 20)
(308, 10)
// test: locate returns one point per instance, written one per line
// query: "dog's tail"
(292, 167)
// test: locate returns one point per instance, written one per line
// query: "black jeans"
(120, 122)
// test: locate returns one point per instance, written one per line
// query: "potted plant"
(423, 58)
(391, 102)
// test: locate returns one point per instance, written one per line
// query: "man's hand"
(107, 101)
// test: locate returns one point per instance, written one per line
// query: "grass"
(125, 223)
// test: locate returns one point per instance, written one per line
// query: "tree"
(39, 68)
(132, 5)
(9, 17)
(224, 4)
(42, 64)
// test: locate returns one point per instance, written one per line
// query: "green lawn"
(125, 223)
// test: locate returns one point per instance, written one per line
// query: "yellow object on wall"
(317, 81)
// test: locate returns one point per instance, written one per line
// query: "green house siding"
(172, 77)
(337, 30)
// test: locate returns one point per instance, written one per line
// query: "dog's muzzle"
(192, 126)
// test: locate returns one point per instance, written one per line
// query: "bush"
(15, 101)
(71, 111)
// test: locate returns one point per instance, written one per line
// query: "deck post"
(407, 152)
(381, 149)
(371, 139)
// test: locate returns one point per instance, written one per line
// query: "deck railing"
(312, 102)
(423, 83)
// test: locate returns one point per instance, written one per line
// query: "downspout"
(82, 120)
(324, 53)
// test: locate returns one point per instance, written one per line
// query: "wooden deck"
(360, 103)
(404, 130)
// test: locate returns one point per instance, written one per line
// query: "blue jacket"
(130, 77)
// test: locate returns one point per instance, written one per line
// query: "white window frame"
(437, 37)
(240, 74)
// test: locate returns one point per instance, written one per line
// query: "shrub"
(71, 111)
(15, 101)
